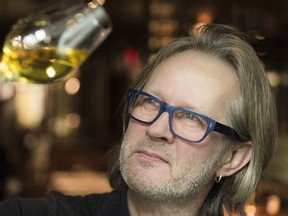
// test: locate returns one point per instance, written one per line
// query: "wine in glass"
(53, 41)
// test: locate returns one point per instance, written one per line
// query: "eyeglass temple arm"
(228, 131)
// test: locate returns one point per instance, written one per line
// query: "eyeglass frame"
(212, 125)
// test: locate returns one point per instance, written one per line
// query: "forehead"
(194, 79)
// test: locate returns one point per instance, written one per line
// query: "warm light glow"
(72, 120)
(273, 205)
(72, 86)
(101, 2)
(29, 105)
(50, 71)
(64, 125)
(93, 4)
(6, 91)
(204, 16)
(274, 78)
(250, 210)
(79, 182)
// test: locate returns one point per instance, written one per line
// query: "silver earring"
(218, 178)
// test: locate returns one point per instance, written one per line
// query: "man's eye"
(190, 116)
(152, 102)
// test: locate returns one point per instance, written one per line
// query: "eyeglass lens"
(185, 124)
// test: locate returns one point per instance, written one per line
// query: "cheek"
(197, 153)
(135, 129)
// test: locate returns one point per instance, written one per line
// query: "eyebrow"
(156, 93)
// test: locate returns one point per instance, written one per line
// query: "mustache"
(142, 145)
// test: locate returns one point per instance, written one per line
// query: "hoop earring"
(218, 179)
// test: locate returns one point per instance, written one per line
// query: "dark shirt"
(57, 204)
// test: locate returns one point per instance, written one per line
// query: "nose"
(160, 129)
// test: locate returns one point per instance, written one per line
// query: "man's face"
(158, 165)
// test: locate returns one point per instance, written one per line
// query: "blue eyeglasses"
(183, 123)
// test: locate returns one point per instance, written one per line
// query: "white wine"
(42, 65)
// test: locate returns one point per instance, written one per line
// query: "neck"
(141, 206)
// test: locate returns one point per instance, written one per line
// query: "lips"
(151, 156)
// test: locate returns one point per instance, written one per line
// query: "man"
(201, 128)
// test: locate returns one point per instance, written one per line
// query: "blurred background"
(58, 136)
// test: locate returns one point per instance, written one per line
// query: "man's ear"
(236, 159)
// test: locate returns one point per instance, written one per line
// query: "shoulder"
(56, 203)
(24, 207)
(113, 203)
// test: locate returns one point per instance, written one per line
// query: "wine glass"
(41, 48)
(53, 41)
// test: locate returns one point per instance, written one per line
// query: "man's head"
(216, 74)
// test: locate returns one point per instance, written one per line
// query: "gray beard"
(184, 186)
